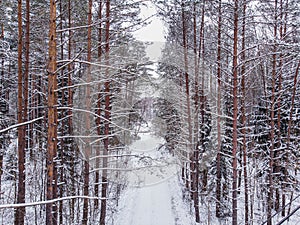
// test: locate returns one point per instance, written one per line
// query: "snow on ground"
(153, 195)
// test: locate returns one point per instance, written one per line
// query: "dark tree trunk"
(98, 121)
(20, 212)
(107, 118)
(244, 146)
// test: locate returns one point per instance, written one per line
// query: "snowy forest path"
(147, 205)
(153, 195)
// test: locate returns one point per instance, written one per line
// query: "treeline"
(236, 64)
(230, 104)
(67, 90)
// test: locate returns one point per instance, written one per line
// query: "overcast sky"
(153, 32)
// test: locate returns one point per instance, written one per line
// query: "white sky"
(153, 32)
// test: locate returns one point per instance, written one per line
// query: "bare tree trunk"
(235, 114)
(244, 147)
(107, 118)
(20, 212)
(98, 121)
(219, 112)
(52, 112)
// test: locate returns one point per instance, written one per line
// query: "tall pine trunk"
(107, 118)
(52, 113)
(20, 212)
(98, 121)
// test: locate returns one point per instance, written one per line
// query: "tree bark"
(244, 119)
(52, 112)
(20, 212)
(107, 117)
(98, 121)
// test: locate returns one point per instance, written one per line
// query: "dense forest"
(227, 107)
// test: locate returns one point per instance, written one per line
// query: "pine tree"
(52, 113)
(20, 212)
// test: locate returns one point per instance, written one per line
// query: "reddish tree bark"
(52, 112)
(20, 212)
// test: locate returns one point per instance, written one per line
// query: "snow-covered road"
(153, 195)
(151, 205)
